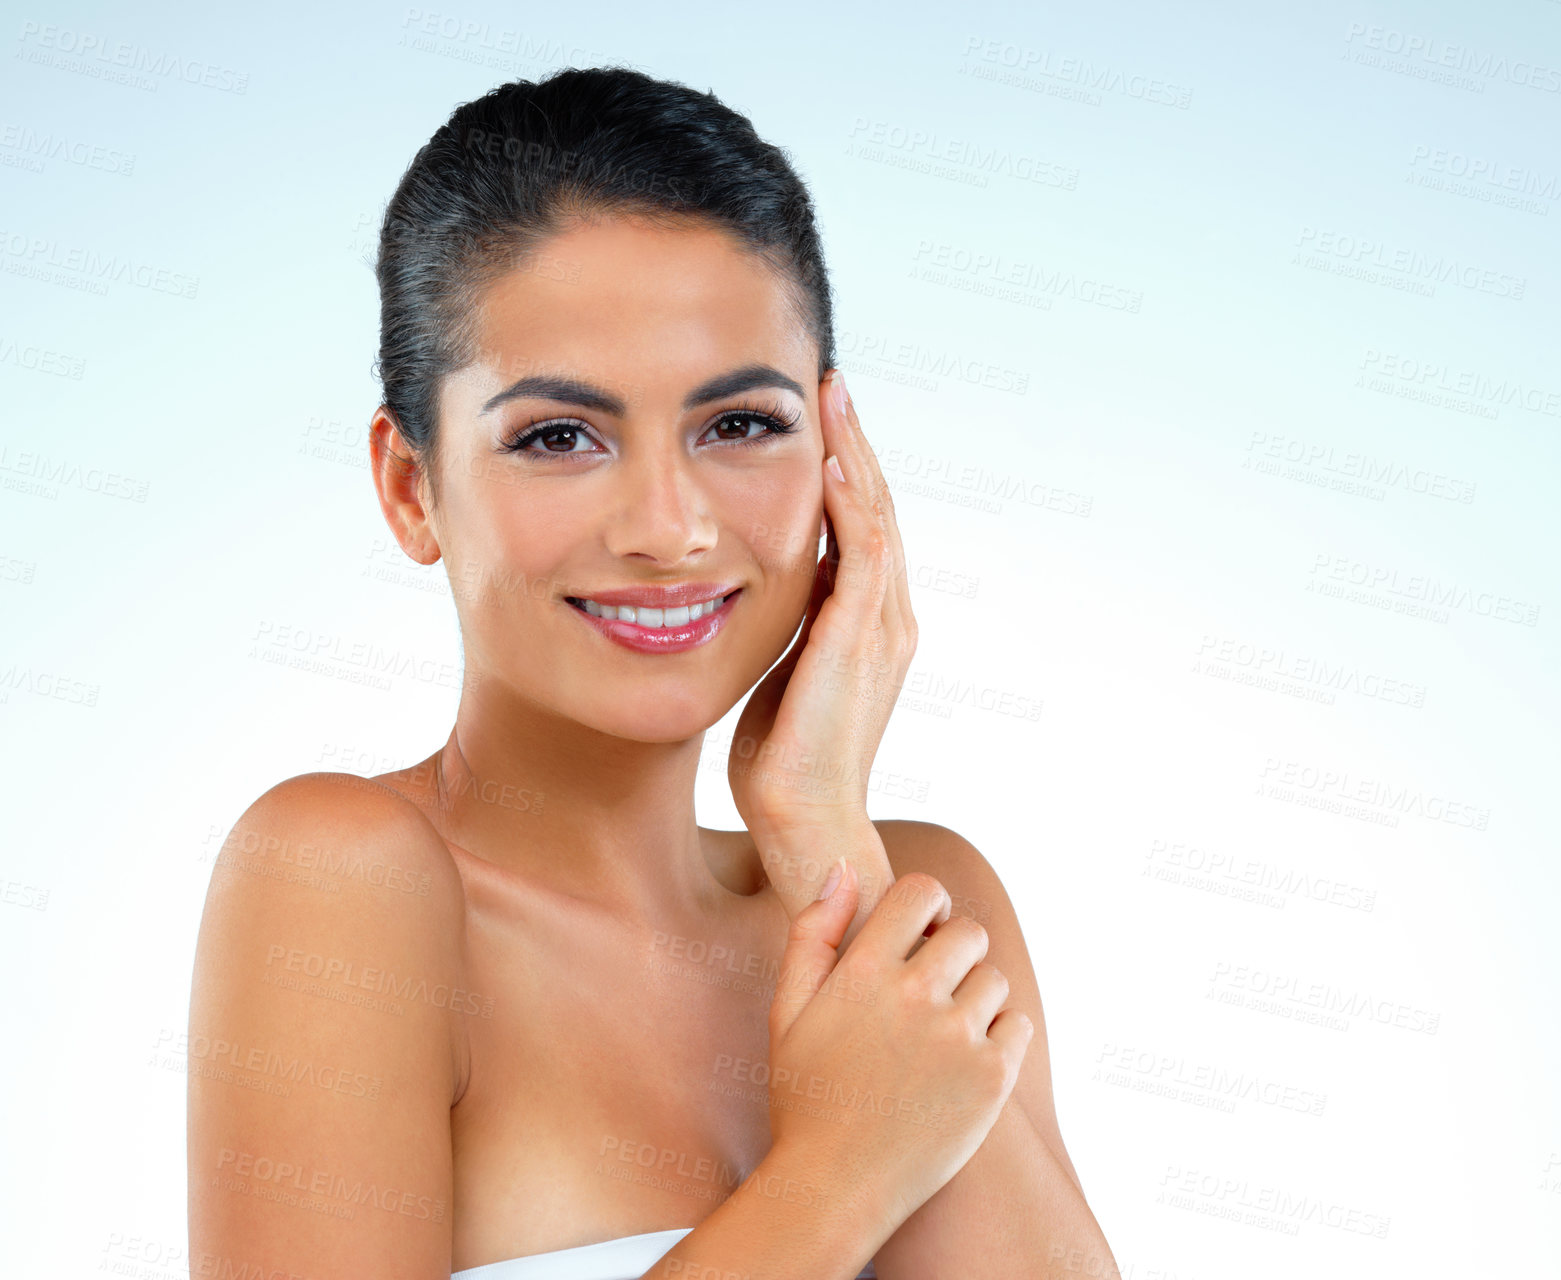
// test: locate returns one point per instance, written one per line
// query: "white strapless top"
(626, 1258)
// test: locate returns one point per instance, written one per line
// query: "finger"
(911, 905)
(771, 691)
(898, 595)
(858, 529)
(1012, 1032)
(948, 956)
(879, 502)
(831, 548)
(810, 955)
(981, 996)
(823, 584)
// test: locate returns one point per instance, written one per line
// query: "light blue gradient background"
(271, 198)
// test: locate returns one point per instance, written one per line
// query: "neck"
(601, 817)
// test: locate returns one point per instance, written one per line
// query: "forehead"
(626, 301)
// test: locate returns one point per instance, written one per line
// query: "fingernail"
(833, 463)
(834, 879)
(837, 388)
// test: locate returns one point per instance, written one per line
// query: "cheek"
(508, 542)
(775, 513)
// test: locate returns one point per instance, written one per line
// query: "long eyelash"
(781, 419)
(530, 430)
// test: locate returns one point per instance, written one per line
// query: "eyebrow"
(574, 391)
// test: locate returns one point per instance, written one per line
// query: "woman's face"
(630, 483)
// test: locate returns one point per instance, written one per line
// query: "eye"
(557, 437)
(737, 425)
(563, 437)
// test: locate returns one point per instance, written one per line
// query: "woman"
(514, 1001)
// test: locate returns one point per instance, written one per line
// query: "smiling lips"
(659, 619)
(645, 616)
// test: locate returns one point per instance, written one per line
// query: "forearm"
(781, 1223)
(1011, 1213)
(797, 860)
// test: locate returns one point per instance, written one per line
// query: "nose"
(661, 512)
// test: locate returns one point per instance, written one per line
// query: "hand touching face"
(642, 415)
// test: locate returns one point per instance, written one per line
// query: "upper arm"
(977, 892)
(325, 1041)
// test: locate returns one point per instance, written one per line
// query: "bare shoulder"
(948, 857)
(322, 821)
(977, 891)
(327, 1036)
(334, 861)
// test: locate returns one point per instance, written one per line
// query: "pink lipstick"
(630, 626)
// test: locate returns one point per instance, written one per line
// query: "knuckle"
(919, 886)
(997, 1072)
(918, 987)
(863, 967)
(862, 971)
(976, 934)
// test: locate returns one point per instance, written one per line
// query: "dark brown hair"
(509, 169)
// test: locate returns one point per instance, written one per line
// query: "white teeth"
(648, 617)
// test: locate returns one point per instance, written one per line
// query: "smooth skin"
(811, 729)
(462, 1004)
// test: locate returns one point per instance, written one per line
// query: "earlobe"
(422, 547)
(421, 542)
(399, 483)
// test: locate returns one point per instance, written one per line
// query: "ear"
(398, 481)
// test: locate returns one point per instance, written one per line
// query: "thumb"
(823, 587)
(811, 951)
(759, 714)
(780, 673)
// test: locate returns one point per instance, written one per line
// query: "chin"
(655, 727)
(658, 716)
